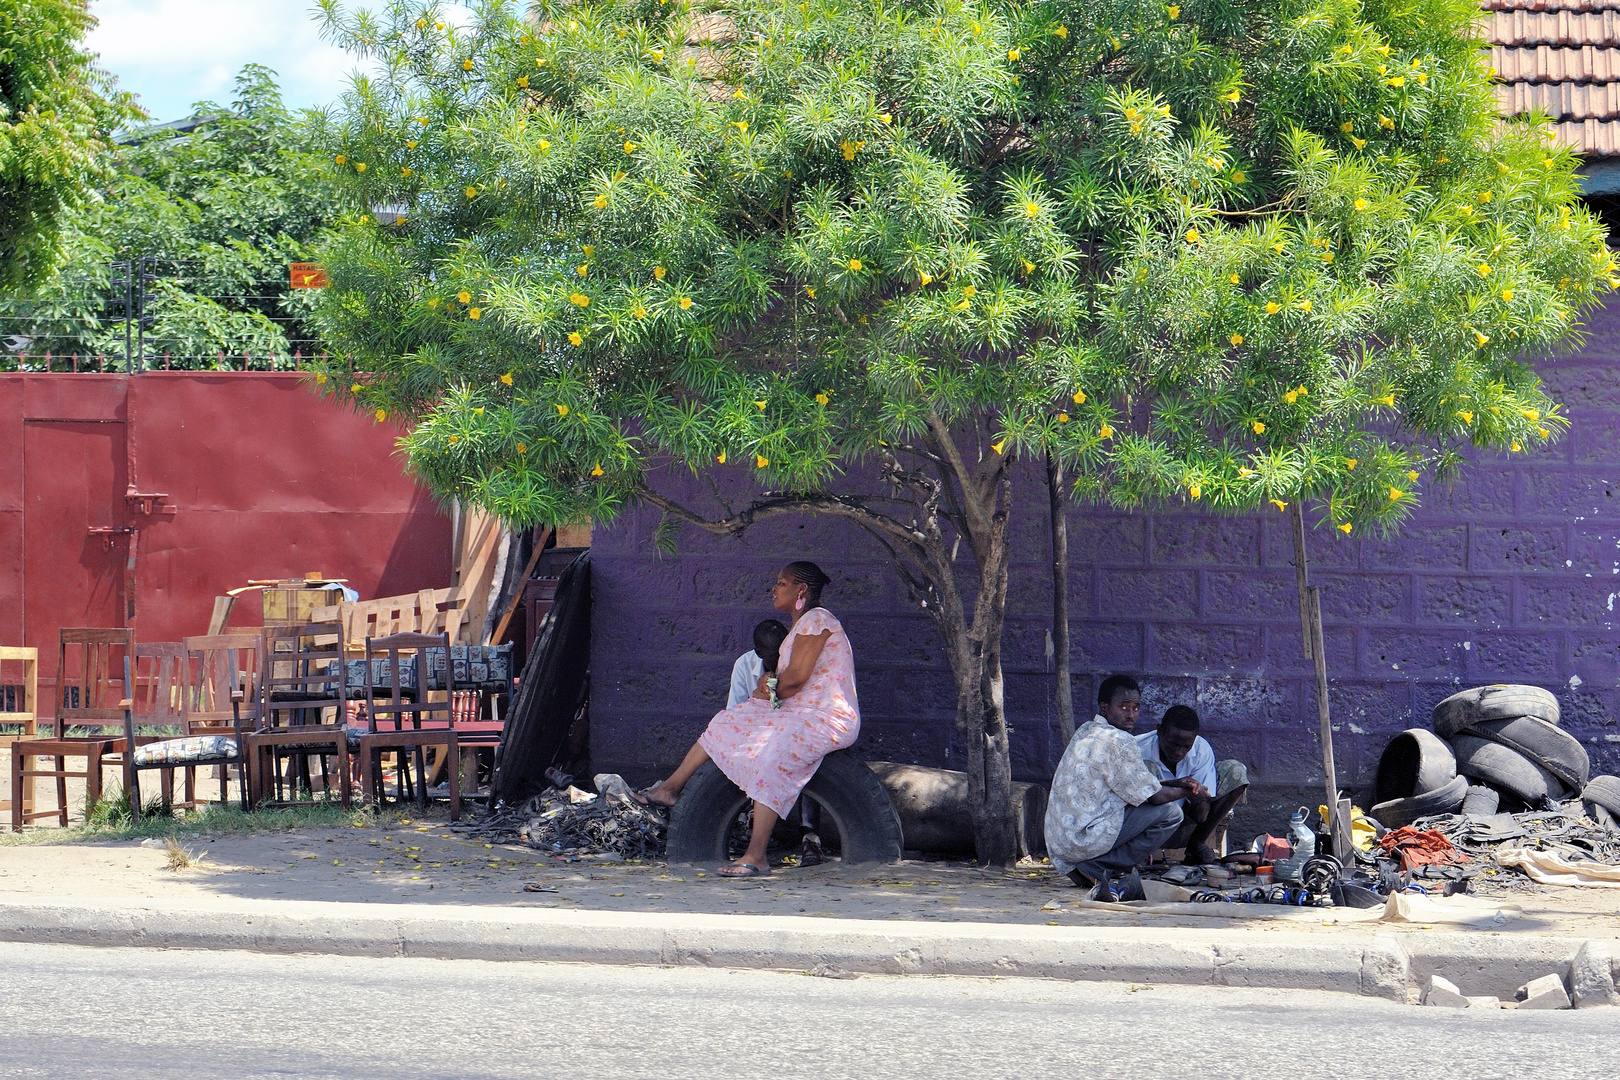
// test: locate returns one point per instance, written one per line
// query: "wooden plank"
(517, 593)
(221, 615)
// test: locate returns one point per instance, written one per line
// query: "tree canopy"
(223, 207)
(57, 111)
(1228, 252)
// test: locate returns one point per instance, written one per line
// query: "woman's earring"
(798, 605)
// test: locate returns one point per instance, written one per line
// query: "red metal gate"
(135, 501)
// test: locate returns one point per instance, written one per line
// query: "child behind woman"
(750, 666)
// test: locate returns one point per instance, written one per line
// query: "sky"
(173, 53)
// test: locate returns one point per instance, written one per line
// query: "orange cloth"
(1415, 848)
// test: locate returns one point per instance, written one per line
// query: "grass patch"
(110, 819)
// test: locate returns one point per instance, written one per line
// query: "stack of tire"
(1493, 749)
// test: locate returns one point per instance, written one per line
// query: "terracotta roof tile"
(1554, 28)
(1546, 64)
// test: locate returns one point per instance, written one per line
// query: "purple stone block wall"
(1512, 575)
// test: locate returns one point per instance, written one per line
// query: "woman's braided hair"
(809, 575)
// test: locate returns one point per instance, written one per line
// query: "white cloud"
(173, 53)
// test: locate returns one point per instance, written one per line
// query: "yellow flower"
(1032, 208)
(562, 410)
(924, 279)
(475, 313)
(1345, 528)
(506, 380)
(1412, 475)
(1543, 432)
(1061, 31)
(1361, 204)
(582, 269)
(1279, 504)
(479, 411)
(471, 192)
(600, 202)
(1532, 414)
(963, 305)
(1195, 491)
(598, 470)
(1484, 196)
(360, 166)
(1304, 305)
(1013, 54)
(1483, 268)
(855, 265)
(1130, 114)
(1079, 397)
(1388, 400)
(545, 144)
(1351, 463)
(969, 291)
(433, 301)
(848, 148)
(1174, 11)
(630, 147)
(382, 414)
(1193, 237)
(523, 81)
(1395, 494)
(639, 311)
(1507, 296)
(720, 457)
(341, 160)
(466, 65)
(686, 303)
(1358, 143)
(1481, 339)
(1063, 418)
(579, 300)
(810, 291)
(659, 272)
(412, 145)
(1236, 340)
(885, 117)
(760, 405)
(575, 339)
(1245, 473)
(1029, 268)
(1467, 211)
(1272, 307)
(1233, 279)
(320, 379)
(1386, 123)
(354, 388)
(740, 125)
(421, 24)
(1398, 81)
(822, 399)
(1347, 127)
(658, 55)
(404, 172)
(1234, 97)
(739, 95)
(464, 296)
(1291, 396)
(1106, 432)
(1239, 176)
(997, 446)
(1259, 428)
(760, 461)
(1327, 257)
(1515, 447)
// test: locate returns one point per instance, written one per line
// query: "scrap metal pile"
(565, 821)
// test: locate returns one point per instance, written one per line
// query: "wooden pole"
(517, 595)
(1310, 615)
(1060, 597)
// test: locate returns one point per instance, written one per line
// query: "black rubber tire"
(1397, 812)
(1415, 762)
(1508, 771)
(1482, 801)
(1549, 746)
(1501, 701)
(853, 801)
(1604, 791)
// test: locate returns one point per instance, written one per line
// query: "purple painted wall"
(1510, 576)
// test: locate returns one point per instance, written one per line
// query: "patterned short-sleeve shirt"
(1100, 774)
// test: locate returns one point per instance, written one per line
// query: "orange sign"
(309, 276)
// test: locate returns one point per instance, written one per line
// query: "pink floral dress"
(772, 753)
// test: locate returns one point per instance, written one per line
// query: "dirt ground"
(426, 861)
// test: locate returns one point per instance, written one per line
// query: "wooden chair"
(304, 712)
(407, 721)
(19, 713)
(212, 747)
(88, 693)
(156, 704)
(484, 678)
(218, 668)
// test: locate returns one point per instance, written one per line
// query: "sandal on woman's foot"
(742, 869)
(810, 853)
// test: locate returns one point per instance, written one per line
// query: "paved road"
(122, 1014)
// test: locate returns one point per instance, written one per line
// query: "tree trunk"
(1060, 598)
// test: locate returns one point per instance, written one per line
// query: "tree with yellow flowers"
(869, 254)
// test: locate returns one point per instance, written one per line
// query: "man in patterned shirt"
(1107, 811)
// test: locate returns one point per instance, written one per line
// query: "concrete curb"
(1378, 963)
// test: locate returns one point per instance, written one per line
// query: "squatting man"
(1116, 799)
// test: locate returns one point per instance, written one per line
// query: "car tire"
(1506, 770)
(1444, 800)
(1501, 701)
(1415, 762)
(854, 805)
(1482, 801)
(1604, 791)
(1549, 746)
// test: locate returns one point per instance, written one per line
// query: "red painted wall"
(259, 477)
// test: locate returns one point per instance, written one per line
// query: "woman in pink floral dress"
(771, 750)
